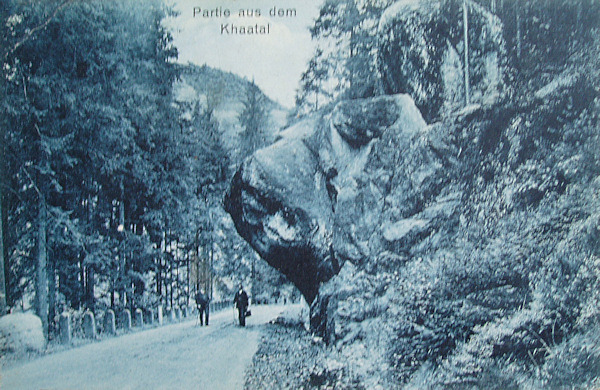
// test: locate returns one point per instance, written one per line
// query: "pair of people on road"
(240, 300)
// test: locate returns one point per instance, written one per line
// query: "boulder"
(21, 332)
(359, 121)
(279, 204)
(311, 201)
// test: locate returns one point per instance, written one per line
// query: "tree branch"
(34, 30)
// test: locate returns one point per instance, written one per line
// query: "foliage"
(343, 65)
(501, 289)
(539, 38)
(105, 175)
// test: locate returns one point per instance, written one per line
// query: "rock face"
(448, 254)
(320, 195)
(269, 205)
(422, 53)
(313, 200)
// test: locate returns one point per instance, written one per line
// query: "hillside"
(228, 92)
(441, 244)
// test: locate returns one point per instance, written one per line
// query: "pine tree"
(88, 102)
(253, 120)
(344, 65)
(312, 92)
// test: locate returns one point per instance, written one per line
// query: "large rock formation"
(269, 204)
(321, 194)
(296, 201)
(422, 53)
(446, 254)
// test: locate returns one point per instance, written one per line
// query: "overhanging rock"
(279, 204)
(305, 202)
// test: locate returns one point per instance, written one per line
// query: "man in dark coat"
(241, 303)
(202, 305)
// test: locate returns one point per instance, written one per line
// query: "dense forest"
(112, 183)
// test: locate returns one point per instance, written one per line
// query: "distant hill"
(229, 90)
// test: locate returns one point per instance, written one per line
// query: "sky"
(275, 61)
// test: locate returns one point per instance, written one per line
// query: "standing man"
(241, 303)
(202, 306)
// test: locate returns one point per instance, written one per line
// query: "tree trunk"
(89, 288)
(578, 24)
(121, 226)
(81, 298)
(41, 279)
(210, 260)
(91, 303)
(187, 278)
(170, 284)
(123, 263)
(169, 258)
(3, 297)
(466, 44)
(162, 270)
(177, 284)
(3, 260)
(210, 269)
(518, 23)
(159, 279)
(51, 297)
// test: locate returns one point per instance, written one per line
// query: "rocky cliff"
(422, 53)
(456, 252)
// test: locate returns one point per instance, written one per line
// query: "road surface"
(178, 356)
